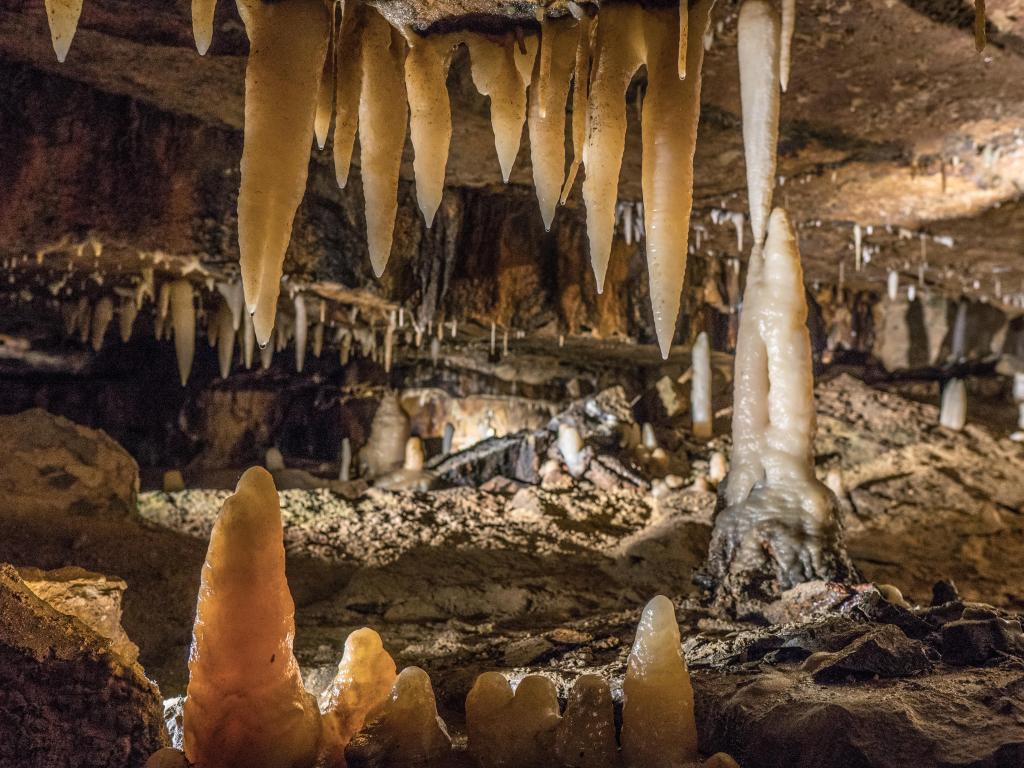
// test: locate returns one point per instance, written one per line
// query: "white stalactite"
(203, 12)
(301, 331)
(63, 17)
(224, 323)
(183, 320)
(126, 320)
(786, 39)
(102, 315)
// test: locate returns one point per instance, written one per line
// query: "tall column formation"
(246, 704)
(780, 526)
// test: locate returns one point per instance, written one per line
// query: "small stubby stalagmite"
(365, 677)
(780, 526)
(585, 737)
(658, 725)
(512, 729)
(700, 388)
(246, 704)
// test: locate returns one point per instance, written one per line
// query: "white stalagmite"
(953, 414)
(546, 119)
(414, 457)
(183, 320)
(102, 315)
(288, 44)
(858, 246)
(345, 463)
(301, 331)
(658, 725)
(203, 12)
(700, 387)
(580, 100)
(671, 112)
(383, 114)
(758, 46)
(235, 298)
(892, 284)
(348, 80)
(570, 445)
(225, 339)
(126, 320)
(618, 53)
(430, 116)
(786, 41)
(496, 74)
(63, 17)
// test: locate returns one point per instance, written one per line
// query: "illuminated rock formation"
(507, 729)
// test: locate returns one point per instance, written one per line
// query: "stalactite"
(183, 320)
(700, 388)
(348, 82)
(325, 91)
(670, 115)
(246, 704)
(953, 414)
(288, 44)
(102, 315)
(301, 331)
(235, 298)
(758, 46)
(389, 343)
(126, 319)
(318, 340)
(63, 17)
(958, 343)
(858, 246)
(225, 339)
(580, 99)
(430, 116)
(786, 42)
(383, 114)
(248, 342)
(684, 30)
(979, 26)
(496, 74)
(546, 118)
(345, 462)
(203, 12)
(658, 726)
(266, 356)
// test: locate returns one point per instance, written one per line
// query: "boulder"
(54, 465)
(66, 697)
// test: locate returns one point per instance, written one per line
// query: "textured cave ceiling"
(892, 120)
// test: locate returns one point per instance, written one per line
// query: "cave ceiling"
(891, 121)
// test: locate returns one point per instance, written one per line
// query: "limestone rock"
(66, 698)
(53, 465)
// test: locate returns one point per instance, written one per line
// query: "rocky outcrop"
(52, 465)
(66, 697)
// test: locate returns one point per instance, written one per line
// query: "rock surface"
(66, 697)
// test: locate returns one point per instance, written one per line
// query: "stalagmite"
(126, 320)
(345, 463)
(718, 467)
(700, 387)
(245, 704)
(786, 41)
(506, 729)
(671, 112)
(546, 119)
(248, 342)
(183, 320)
(758, 47)
(365, 676)
(63, 17)
(224, 323)
(495, 74)
(580, 100)
(203, 12)
(430, 116)
(570, 445)
(585, 737)
(447, 437)
(273, 459)
(301, 331)
(618, 54)
(102, 315)
(953, 414)
(414, 458)
(892, 285)
(384, 452)
(658, 726)
(858, 246)
(348, 80)
(781, 526)
(383, 114)
(287, 47)
(405, 729)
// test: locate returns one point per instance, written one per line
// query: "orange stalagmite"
(364, 680)
(246, 705)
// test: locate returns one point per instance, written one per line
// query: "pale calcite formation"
(580, 98)
(507, 729)
(287, 46)
(246, 705)
(384, 452)
(700, 387)
(63, 17)
(430, 115)
(585, 738)
(224, 325)
(758, 47)
(786, 41)
(235, 299)
(414, 457)
(953, 413)
(183, 321)
(404, 730)
(348, 83)
(658, 725)
(203, 12)
(546, 116)
(383, 114)
(127, 313)
(102, 315)
(365, 676)
(248, 342)
(301, 331)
